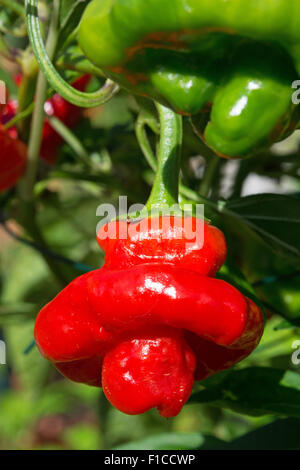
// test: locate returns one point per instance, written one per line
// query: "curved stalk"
(79, 98)
(34, 143)
(71, 139)
(26, 187)
(141, 135)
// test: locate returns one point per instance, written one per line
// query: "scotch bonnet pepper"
(230, 63)
(153, 319)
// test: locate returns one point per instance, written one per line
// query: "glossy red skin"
(145, 332)
(13, 156)
(140, 367)
(164, 240)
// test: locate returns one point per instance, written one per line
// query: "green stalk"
(212, 166)
(19, 117)
(165, 188)
(26, 186)
(71, 139)
(143, 120)
(79, 98)
(37, 122)
(25, 98)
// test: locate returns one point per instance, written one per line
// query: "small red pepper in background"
(13, 155)
(9, 111)
(66, 112)
(13, 152)
(56, 106)
(152, 320)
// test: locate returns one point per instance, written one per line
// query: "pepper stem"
(165, 187)
(79, 98)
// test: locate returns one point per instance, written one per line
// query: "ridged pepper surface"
(153, 319)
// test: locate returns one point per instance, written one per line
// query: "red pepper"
(13, 157)
(152, 320)
(13, 152)
(56, 106)
(9, 111)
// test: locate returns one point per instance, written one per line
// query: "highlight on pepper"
(148, 324)
(149, 225)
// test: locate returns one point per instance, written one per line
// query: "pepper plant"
(171, 103)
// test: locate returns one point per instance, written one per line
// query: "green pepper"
(228, 64)
(283, 295)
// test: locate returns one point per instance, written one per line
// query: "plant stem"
(19, 117)
(26, 186)
(211, 167)
(25, 98)
(103, 417)
(142, 121)
(79, 98)
(28, 220)
(71, 139)
(240, 177)
(165, 188)
(35, 138)
(78, 63)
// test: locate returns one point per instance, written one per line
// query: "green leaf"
(9, 82)
(274, 217)
(284, 296)
(82, 437)
(72, 58)
(282, 434)
(65, 7)
(17, 414)
(254, 391)
(232, 274)
(288, 325)
(71, 12)
(14, 312)
(32, 369)
(23, 285)
(173, 441)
